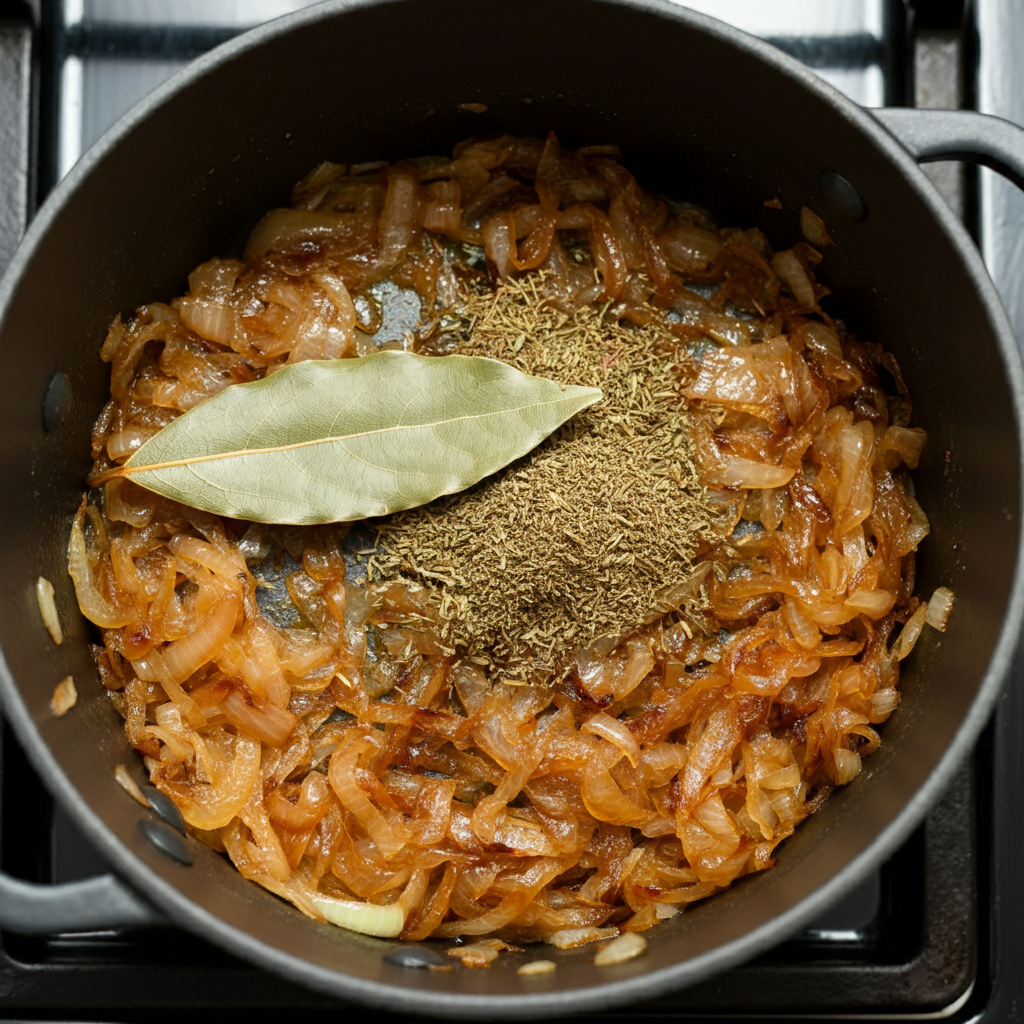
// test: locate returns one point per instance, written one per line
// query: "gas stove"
(935, 932)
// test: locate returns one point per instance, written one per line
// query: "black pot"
(702, 112)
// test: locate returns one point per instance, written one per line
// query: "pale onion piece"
(536, 967)
(48, 609)
(803, 628)
(398, 218)
(784, 778)
(884, 702)
(477, 955)
(616, 733)
(126, 442)
(873, 603)
(211, 320)
(847, 764)
(94, 606)
(64, 697)
(820, 338)
(619, 950)
(911, 631)
(790, 269)
(937, 610)
(569, 938)
(365, 918)
(813, 228)
(272, 725)
(282, 227)
(663, 911)
(498, 944)
(907, 442)
(129, 785)
(182, 657)
(225, 563)
(734, 471)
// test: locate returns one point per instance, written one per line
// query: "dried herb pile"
(575, 540)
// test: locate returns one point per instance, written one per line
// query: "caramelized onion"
(324, 733)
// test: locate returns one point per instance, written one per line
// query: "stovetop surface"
(934, 934)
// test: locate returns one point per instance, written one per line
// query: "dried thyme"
(575, 540)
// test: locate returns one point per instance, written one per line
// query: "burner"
(932, 933)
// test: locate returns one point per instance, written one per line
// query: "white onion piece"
(365, 918)
(282, 227)
(790, 269)
(614, 732)
(568, 938)
(784, 778)
(64, 698)
(127, 442)
(95, 607)
(182, 657)
(873, 603)
(813, 228)
(398, 218)
(884, 702)
(847, 765)
(479, 954)
(911, 631)
(226, 564)
(937, 610)
(734, 471)
(48, 609)
(907, 442)
(536, 967)
(129, 785)
(210, 320)
(625, 947)
(270, 724)
(820, 338)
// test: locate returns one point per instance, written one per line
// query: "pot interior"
(699, 118)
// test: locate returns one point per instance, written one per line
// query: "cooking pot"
(702, 113)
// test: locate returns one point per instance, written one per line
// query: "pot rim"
(194, 918)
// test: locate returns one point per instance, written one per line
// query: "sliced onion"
(280, 228)
(386, 922)
(270, 724)
(535, 967)
(937, 610)
(64, 697)
(791, 270)
(95, 607)
(615, 732)
(907, 639)
(211, 320)
(212, 805)
(570, 938)
(848, 765)
(907, 442)
(813, 228)
(183, 657)
(127, 782)
(737, 472)
(126, 442)
(48, 609)
(784, 778)
(873, 603)
(884, 703)
(619, 950)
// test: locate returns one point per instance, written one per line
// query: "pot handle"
(94, 904)
(958, 135)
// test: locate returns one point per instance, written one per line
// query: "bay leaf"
(330, 441)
